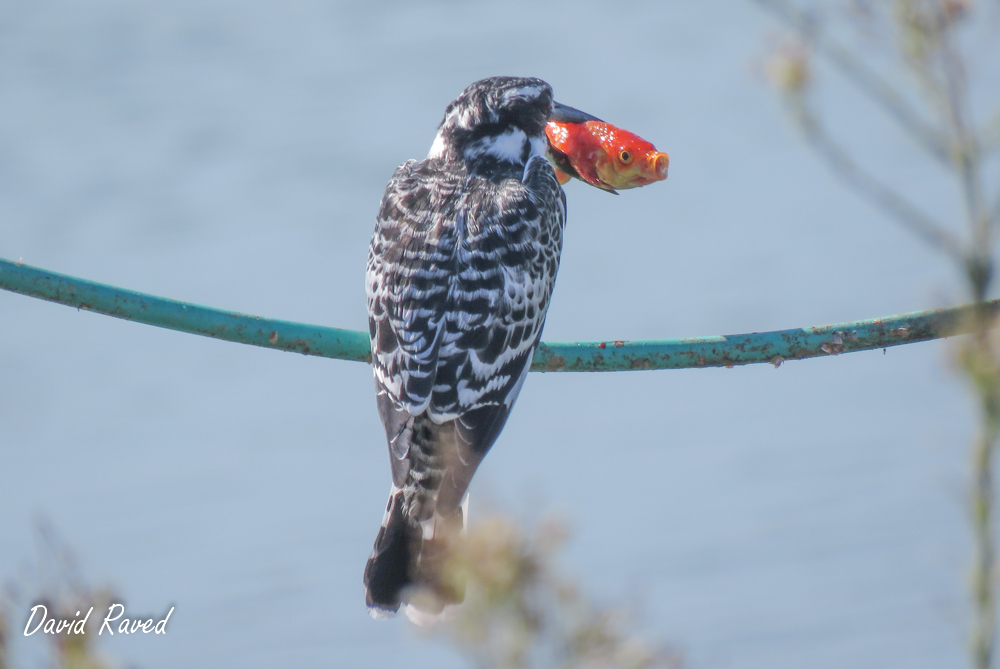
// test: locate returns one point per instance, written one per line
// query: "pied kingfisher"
(460, 271)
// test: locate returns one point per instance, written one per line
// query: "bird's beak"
(565, 114)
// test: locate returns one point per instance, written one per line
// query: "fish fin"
(561, 164)
(566, 170)
(589, 175)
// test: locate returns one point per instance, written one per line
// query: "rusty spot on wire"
(834, 345)
(555, 364)
(641, 363)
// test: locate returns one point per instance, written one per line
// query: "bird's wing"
(409, 264)
(496, 310)
(459, 278)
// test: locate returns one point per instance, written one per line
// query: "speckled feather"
(460, 271)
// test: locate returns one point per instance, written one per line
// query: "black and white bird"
(460, 272)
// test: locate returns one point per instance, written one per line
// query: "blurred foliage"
(928, 40)
(520, 612)
(56, 583)
(789, 66)
(4, 644)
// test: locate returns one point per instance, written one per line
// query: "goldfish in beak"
(603, 155)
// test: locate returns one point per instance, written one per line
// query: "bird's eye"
(625, 157)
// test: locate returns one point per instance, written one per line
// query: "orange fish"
(605, 156)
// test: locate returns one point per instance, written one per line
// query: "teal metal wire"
(596, 356)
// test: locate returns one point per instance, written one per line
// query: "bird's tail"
(408, 565)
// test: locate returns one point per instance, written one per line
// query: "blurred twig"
(61, 589)
(520, 612)
(3, 637)
(876, 192)
(929, 47)
(979, 360)
(990, 134)
(876, 87)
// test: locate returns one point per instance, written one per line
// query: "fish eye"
(625, 157)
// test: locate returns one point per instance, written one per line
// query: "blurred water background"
(233, 154)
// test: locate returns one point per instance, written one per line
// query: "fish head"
(627, 160)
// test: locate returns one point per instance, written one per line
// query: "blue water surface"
(233, 154)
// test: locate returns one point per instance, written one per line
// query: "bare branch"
(866, 185)
(877, 88)
(967, 158)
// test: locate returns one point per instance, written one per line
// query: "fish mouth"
(656, 170)
(660, 164)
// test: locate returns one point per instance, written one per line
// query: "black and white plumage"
(460, 271)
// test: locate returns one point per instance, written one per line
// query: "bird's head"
(500, 120)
